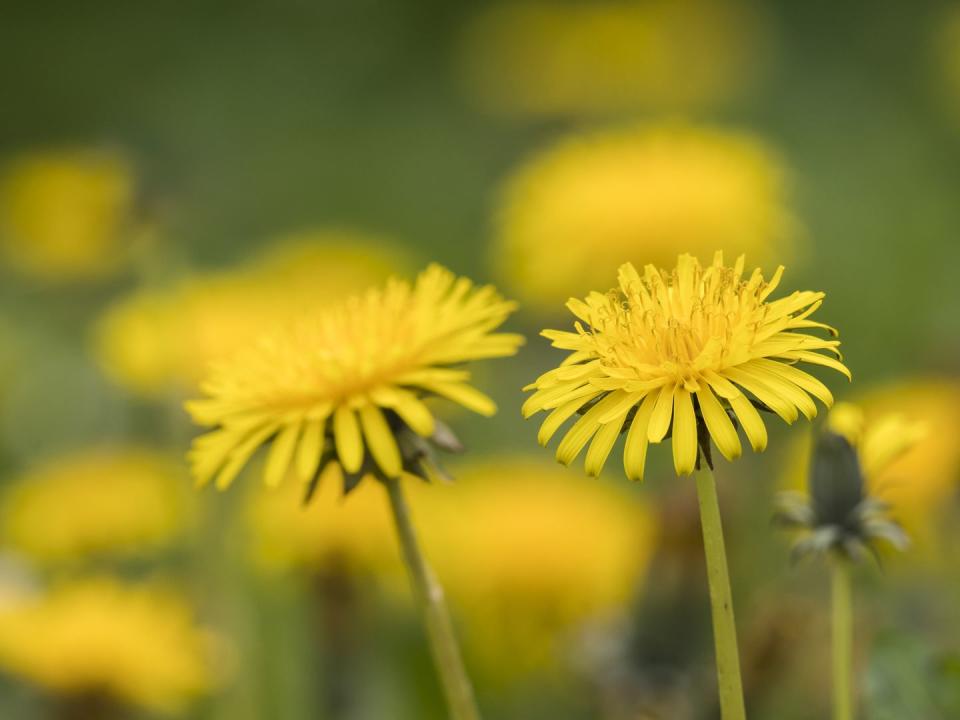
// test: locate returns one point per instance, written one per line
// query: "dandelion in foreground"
(693, 353)
(842, 521)
(348, 386)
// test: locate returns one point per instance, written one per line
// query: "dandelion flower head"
(520, 576)
(66, 215)
(694, 351)
(138, 644)
(98, 502)
(607, 56)
(349, 384)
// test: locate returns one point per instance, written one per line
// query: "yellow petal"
(559, 416)
(769, 397)
(281, 453)
(618, 410)
(408, 406)
(718, 423)
(662, 411)
(751, 421)
(783, 387)
(635, 448)
(346, 437)
(380, 440)
(601, 446)
(310, 449)
(241, 454)
(684, 433)
(578, 435)
(800, 378)
(469, 397)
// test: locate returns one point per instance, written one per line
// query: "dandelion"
(348, 386)
(524, 582)
(138, 645)
(66, 215)
(102, 502)
(695, 353)
(842, 521)
(572, 214)
(608, 56)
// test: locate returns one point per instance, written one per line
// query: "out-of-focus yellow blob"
(158, 341)
(139, 645)
(905, 434)
(576, 212)
(600, 57)
(355, 532)
(947, 47)
(67, 215)
(526, 551)
(98, 502)
(529, 553)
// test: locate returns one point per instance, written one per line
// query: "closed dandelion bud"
(839, 516)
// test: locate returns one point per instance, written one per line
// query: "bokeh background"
(176, 178)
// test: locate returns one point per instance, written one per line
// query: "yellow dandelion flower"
(600, 57)
(139, 645)
(521, 579)
(348, 384)
(693, 351)
(574, 213)
(108, 501)
(66, 215)
(163, 339)
(947, 49)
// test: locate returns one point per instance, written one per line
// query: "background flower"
(140, 645)
(583, 58)
(159, 340)
(108, 501)
(572, 214)
(67, 215)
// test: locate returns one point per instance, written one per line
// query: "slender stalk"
(729, 685)
(430, 598)
(842, 640)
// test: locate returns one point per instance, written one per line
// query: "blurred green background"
(235, 125)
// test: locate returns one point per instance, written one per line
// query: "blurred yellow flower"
(687, 352)
(598, 57)
(162, 340)
(139, 645)
(287, 533)
(66, 215)
(947, 49)
(573, 214)
(530, 553)
(522, 578)
(107, 501)
(347, 384)
(905, 434)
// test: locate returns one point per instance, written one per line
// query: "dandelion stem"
(842, 640)
(729, 685)
(429, 596)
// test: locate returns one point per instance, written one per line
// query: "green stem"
(729, 684)
(430, 598)
(842, 640)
